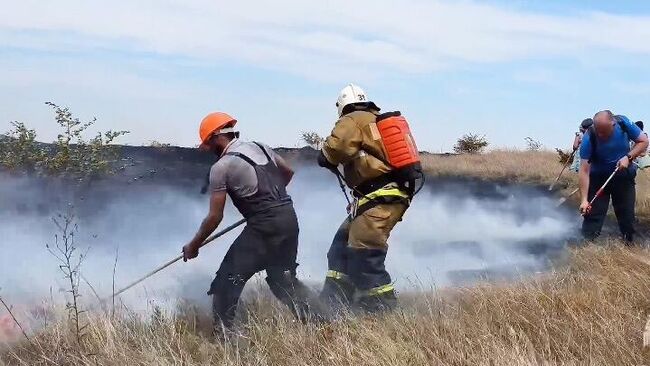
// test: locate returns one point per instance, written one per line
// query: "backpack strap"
(593, 139)
(264, 151)
(249, 160)
(621, 123)
(243, 157)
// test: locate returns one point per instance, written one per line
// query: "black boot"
(378, 303)
(338, 293)
(370, 276)
(628, 238)
(225, 291)
(302, 302)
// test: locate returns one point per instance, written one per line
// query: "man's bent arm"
(212, 220)
(576, 142)
(344, 142)
(583, 179)
(285, 169)
(640, 146)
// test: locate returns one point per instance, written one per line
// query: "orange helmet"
(214, 122)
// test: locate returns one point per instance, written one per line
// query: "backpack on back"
(399, 145)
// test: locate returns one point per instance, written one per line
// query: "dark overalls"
(622, 191)
(268, 242)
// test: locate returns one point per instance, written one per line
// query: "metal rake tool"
(562, 200)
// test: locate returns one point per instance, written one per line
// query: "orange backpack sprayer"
(400, 148)
(400, 153)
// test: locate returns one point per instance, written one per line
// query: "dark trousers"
(359, 247)
(337, 255)
(622, 191)
(364, 267)
(268, 242)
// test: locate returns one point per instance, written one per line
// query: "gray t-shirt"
(234, 174)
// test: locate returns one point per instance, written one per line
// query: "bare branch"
(14, 319)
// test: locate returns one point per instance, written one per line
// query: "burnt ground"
(186, 169)
(151, 169)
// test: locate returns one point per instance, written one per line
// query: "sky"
(504, 69)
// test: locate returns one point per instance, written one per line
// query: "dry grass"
(523, 167)
(591, 312)
(520, 166)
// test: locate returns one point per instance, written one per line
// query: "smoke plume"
(454, 232)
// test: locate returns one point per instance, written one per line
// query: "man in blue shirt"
(604, 149)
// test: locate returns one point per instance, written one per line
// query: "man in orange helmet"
(255, 178)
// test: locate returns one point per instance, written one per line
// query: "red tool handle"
(600, 192)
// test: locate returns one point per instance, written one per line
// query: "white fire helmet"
(349, 95)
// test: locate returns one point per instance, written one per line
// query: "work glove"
(323, 162)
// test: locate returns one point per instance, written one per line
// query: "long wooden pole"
(176, 259)
(569, 160)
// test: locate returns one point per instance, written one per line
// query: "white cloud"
(381, 44)
(322, 39)
(151, 105)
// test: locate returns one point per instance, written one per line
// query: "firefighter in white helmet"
(356, 257)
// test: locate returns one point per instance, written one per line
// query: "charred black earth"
(457, 230)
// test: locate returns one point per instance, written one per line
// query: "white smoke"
(447, 231)
(447, 234)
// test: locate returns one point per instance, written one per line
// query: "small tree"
(19, 149)
(73, 155)
(70, 156)
(532, 145)
(470, 144)
(313, 139)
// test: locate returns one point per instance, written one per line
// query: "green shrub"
(72, 155)
(19, 150)
(470, 144)
(158, 144)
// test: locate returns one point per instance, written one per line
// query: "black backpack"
(593, 139)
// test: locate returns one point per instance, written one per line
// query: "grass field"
(590, 310)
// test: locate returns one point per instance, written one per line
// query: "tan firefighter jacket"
(354, 143)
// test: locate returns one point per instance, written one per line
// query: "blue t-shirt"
(610, 151)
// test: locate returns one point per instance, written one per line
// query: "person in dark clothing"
(254, 177)
(605, 148)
